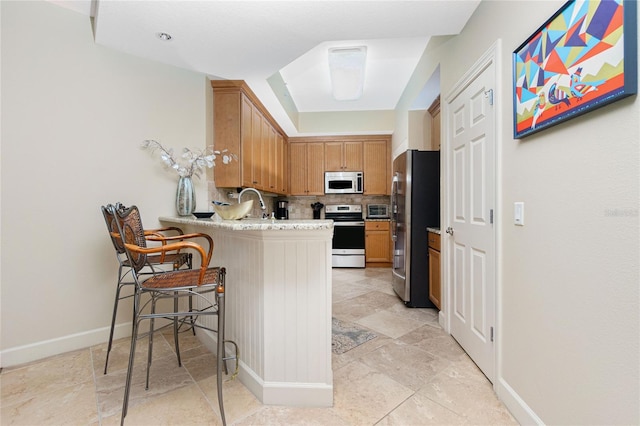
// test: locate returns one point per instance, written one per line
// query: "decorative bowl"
(202, 215)
(234, 211)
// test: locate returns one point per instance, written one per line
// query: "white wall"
(73, 116)
(345, 122)
(569, 314)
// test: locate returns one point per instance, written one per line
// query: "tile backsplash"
(299, 207)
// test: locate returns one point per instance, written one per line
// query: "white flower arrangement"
(196, 160)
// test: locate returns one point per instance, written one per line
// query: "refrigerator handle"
(394, 207)
(394, 195)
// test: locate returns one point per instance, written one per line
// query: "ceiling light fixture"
(164, 36)
(346, 67)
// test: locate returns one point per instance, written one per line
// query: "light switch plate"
(518, 213)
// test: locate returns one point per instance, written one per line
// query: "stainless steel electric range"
(348, 235)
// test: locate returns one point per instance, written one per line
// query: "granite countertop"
(252, 224)
(434, 230)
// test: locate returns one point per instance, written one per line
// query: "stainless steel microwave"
(343, 183)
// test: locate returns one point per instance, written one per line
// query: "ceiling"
(266, 41)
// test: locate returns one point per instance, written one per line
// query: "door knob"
(449, 231)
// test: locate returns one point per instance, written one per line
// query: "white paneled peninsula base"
(278, 304)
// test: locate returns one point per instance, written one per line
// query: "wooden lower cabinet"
(435, 286)
(377, 243)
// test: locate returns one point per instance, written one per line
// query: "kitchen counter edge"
(252, 224)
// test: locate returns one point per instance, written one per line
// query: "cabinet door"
(315, 168)
(377, 246)
(353, 156)
(375, 168)
(227, 134)
(285, 165)
(435, 290)
(266, 167)
(278, 163)
(247, 139)
(343, 156)
(434, 111)
(298, 168)
(333, 156)
(435, 131)
(377, 241)
(256, 149)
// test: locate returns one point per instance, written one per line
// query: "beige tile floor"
(411, 374)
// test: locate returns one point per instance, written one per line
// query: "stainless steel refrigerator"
(415, 205)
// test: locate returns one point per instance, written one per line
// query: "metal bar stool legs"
(127, 386)
(115, 312)
(220, 355)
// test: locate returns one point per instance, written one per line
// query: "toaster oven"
(377, 211)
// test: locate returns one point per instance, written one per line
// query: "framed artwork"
(582, 58)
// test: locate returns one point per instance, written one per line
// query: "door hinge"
(489, 94)
(492, 334)
(491, 216)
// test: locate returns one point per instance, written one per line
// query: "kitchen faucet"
(262, 206)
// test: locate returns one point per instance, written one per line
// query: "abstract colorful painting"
(582, 58)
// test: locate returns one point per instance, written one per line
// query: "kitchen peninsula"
(278, 304)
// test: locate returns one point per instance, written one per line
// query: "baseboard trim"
(276, 393)
(515, 404)
(47, 348)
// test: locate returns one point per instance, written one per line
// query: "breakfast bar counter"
(278, 304)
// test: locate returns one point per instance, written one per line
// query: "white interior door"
(470, 240)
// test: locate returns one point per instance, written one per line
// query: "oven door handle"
(360, 223)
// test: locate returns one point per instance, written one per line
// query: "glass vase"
(185, 196)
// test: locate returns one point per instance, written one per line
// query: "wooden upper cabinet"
(265, 159)
(281, 164)
(254, 167)
(275, 166)
(298, 168)
(229, 126)
(269, 161)
(343, 156)
(333, 156)
(306, 168)
(315, 164)
(245, 128)
(247, 143)
(368, 154)
(434, 112)
(377, 167)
